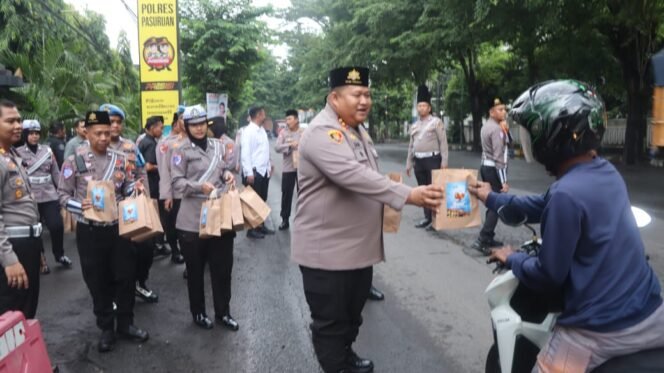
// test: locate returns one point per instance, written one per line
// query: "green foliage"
(66, 61)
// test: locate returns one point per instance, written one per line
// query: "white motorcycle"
(523, 320)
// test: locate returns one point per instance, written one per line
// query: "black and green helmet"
(564, 118)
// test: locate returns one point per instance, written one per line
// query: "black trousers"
(336, 300)
(28, 251)
(423, 168)
(108, 263)
(168, 219)
(218, 253)
(50, 216)
(490, 175)
(288, 182)
(144, 259)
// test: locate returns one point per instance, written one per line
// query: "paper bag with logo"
(153, 222)
(237, 218)
(459, 209)
(210, 220)
(392, 217)
(134, 215)
(104, 207)
(254, 209)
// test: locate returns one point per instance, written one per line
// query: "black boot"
(356, 364)
(203, 321)
(423, 223)
(228, 322)
(375, 294)
(146, 294)
(133, 333)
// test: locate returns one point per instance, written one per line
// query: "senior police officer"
(427, 149)
(493, 170)
(169, 201)
(108, 261)
(43, 174)
(20, 242)
(144, 250)
(287, 143)
(337, 232)
(197, 169)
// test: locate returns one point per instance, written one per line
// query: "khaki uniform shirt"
(494, 147)
(192, 166)
(43, 172)
(427, 135)
(165, 149)
(17, 205)
(73, 181)
(283, 145)
(338, 224)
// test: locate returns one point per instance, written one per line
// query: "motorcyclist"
(591, 247)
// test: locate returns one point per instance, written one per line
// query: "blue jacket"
(591, 248)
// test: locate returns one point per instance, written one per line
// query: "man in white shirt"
(255, 163)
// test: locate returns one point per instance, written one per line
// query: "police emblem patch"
(163, 148)
(177, 159)
(67, 172)
(335, 136)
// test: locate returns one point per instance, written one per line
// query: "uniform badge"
(118, 163)
(11, 165)
(163, 148)
(18, 193)
(229, 147)
(335, 136)
(19, 182)
(67, 172)
(127, 145)
(177, 159)
(119, 175)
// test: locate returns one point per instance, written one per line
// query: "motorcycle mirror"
(642, 217)
(512, 216)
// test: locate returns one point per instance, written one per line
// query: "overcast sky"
(118, 18)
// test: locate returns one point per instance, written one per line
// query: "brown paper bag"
(296, 159)
(104, 207)
(392, 217)
(68, 221)
(226, 213)
(459, 209)
(134, 217)
(210, 219)
(254, 209)
(237, 218)
(153, 221)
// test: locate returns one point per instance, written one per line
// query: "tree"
(221, 41)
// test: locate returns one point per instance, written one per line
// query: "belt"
(24, 231)
(488, 163)
(426, 154)
(36, 180)
(92, 223)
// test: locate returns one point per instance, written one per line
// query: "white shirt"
(255, 150)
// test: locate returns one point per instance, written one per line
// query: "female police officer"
(43, 174)
(197, 168)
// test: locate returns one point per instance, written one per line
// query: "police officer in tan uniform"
(217, 126)
(43, 174)
(144, 250)
(108, 261)
(495, 142)
(20, 230)
(198, 168)
(337, 232)
(427, 149)
(169, 202)
(287, 143)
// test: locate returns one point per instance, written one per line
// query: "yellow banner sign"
(158, 51)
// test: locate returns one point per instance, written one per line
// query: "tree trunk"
(635, 130)
(467, 61)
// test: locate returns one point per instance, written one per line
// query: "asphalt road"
(434, 319)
